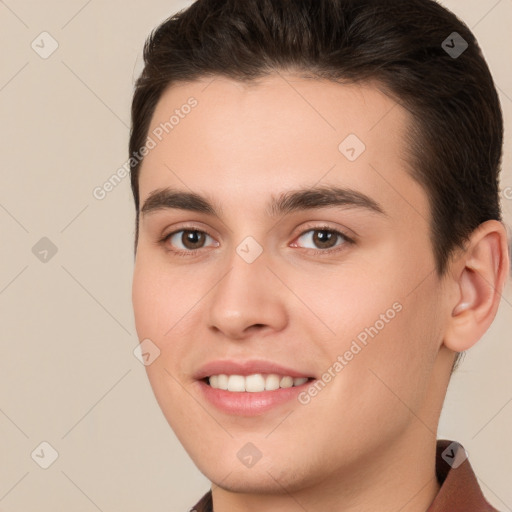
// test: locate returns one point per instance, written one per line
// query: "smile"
(254, 383)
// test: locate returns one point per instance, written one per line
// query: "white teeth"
(255, 382)
(236, 383)
(222, 381)
(286, 382)
(272, 382)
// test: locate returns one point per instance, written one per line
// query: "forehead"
(274, 133)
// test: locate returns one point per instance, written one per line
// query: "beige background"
(68, 375)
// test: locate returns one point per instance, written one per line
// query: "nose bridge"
(247, 294)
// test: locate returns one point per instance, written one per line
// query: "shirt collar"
(459, 487)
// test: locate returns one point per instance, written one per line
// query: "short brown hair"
(455, 144)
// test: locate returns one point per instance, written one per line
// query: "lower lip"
(244, 403)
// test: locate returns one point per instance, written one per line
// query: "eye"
(324, 238)
(186, 240)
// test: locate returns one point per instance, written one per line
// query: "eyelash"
(316, 252)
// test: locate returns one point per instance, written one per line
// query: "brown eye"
(323, 238)
(192, 239)
(187, 239)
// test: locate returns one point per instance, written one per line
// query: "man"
(318, 238)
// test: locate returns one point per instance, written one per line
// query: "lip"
(246, 367)
(248, 403)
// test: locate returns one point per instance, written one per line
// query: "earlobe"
(482, 271)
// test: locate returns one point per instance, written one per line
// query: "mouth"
(252, 395)
(254, 383)
(251, 387)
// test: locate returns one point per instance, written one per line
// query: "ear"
(478, 275)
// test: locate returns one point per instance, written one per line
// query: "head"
(350, 119)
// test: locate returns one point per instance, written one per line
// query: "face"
(304, 252)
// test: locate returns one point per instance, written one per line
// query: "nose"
(248, 299)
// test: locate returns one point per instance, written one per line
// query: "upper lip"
(245, 367)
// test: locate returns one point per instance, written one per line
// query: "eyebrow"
(287, 202)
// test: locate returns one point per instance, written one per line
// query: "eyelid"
(349, 234)
(186, 227)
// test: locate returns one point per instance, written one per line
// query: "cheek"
(159, 299)
(388, 339)
(394, 367)
(144, 300)
(342, 304)
(160, 309)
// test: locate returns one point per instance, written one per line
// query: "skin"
(366, 442)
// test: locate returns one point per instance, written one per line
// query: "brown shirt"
(459, 490)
